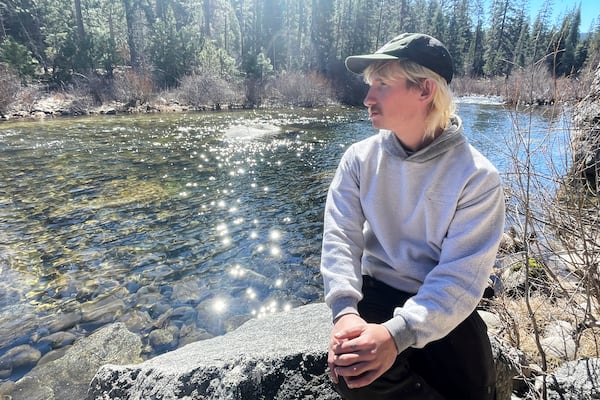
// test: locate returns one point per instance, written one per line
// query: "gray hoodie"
(427, 223)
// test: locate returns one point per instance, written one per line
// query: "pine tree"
(504, 32)
(322, 35)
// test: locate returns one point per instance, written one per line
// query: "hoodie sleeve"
(343, 239)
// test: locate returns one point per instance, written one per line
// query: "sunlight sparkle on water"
(222, 229)
(275, 234)
(270, 308)
(250, 293)
(237, 271)
(219, 306)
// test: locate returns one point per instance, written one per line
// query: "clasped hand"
(359, 352)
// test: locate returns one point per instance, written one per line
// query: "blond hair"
(441, 108)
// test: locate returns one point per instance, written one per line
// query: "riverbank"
(130, 96)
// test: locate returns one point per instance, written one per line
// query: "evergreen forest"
(230, 47)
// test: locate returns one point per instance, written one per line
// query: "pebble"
(58, 339)
(136, 320)
(20, 356)
(65, 321)
(184, 292)
(53, 355)
(162, 339)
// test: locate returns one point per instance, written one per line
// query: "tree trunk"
(79, 21)
(131, 42)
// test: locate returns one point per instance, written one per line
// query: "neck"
(416, 142)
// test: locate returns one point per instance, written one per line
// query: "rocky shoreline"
(281, 356)
(56, 105)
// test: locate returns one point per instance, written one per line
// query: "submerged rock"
(67, 377)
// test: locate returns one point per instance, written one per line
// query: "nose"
(370, 98)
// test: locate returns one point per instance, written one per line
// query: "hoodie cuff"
(403, 336)
(343, 306)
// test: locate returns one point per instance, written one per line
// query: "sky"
(590, 10)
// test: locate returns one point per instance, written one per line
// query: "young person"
(413, 220)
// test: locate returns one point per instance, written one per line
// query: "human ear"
(428, 88)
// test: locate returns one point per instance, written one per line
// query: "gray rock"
(575, 380)
(492, 321)
(67, 378)
(278, 357)
(559, 347)
(508, 365)
(281, 356)
(558, 341)
(585, 138)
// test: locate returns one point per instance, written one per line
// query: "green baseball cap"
(422, 49)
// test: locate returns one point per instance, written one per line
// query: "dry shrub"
(299, 89)
(590, 342)
(86, 91)
(530, 85)
(209, 91)
(132, 87)
(465, 86)
(518, 330)
(9, 87)
(26, 98)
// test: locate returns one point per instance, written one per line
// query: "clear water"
(192, 222)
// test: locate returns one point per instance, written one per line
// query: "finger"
(349, 333)
(351, 346)
(351, 371)
(331, 365)
(358, 381)
(333, 375)
(347, 359)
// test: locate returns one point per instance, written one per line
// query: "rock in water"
(68, 377)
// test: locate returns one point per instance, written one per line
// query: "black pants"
(459, 366)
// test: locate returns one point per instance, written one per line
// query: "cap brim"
(358, 64)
